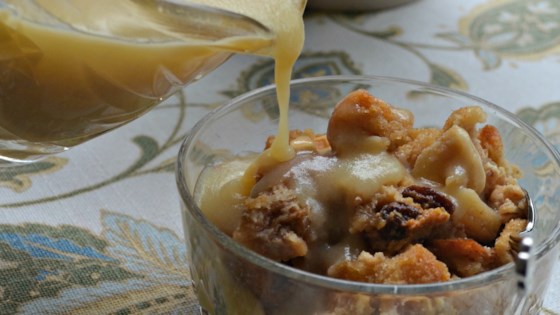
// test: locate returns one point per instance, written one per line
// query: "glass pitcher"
(71, 70)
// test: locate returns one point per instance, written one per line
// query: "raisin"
(428, 198)
(396, 214)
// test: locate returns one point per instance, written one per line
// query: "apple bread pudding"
(377, 200)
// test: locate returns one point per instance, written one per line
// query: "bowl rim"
(237, 249)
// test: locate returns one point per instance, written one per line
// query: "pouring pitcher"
(71, 70)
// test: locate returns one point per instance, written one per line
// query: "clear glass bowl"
(230, 279)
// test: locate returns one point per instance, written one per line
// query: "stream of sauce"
(284, 18)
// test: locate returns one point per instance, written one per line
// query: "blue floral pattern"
(42, 266)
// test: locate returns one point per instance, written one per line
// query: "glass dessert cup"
(73, 70)
(231, 279)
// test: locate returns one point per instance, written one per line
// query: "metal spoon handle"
(524, 263)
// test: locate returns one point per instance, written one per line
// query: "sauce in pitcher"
(72, 72)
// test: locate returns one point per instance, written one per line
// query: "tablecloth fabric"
(97, 229)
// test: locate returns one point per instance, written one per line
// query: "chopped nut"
(428, 198)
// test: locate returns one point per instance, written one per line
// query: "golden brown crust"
(466, 118)
(414, 265)
(361, 115)
(464, 257)
(491, 141)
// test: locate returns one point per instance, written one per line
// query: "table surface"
(97, 229)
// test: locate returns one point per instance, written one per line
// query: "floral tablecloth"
(97, 230)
